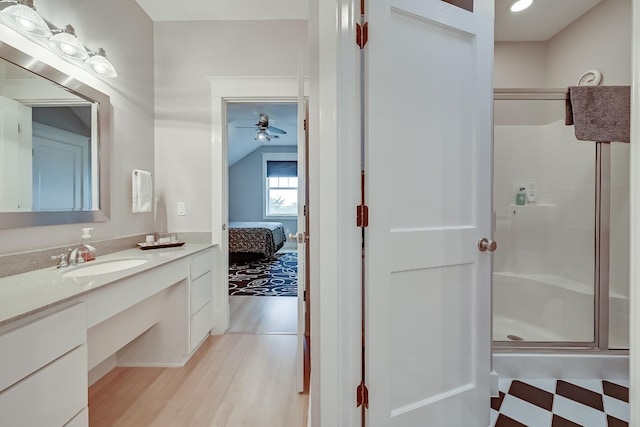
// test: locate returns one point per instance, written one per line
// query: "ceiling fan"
(264, 131)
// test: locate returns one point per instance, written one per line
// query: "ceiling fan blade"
(246, 127)
(276, 130)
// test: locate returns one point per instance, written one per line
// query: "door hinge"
(362, 396)
(305, 124)
(362, 216)
(362, 34)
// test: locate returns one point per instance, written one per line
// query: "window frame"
(270, 157)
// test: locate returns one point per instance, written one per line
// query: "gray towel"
(600, 113)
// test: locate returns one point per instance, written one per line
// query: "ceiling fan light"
(26, 20)
(520, 5)
(262, 135)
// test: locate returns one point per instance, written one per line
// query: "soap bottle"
(531, 193)
(85, 239)
(521, 196)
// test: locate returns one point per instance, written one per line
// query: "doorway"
(263, 179)
(227, 90)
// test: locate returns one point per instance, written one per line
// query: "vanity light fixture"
(21, 16)
(65, 44)
(520, 5)
(99, 64)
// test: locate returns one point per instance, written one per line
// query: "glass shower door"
(544, 290)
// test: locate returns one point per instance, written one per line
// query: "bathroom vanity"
(56, 325)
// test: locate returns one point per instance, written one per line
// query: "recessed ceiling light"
(520, 5)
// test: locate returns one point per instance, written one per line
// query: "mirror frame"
(10, 220)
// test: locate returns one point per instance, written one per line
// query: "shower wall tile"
(542, 241)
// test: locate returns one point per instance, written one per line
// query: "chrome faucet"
(75, 254)
(63, 260)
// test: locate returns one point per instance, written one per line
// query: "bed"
(256, 238)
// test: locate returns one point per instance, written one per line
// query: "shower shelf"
(537, 205)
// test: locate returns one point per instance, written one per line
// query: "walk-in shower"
(560, 280)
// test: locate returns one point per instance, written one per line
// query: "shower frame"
(600, 343)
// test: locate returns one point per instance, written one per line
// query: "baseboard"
(495, 392)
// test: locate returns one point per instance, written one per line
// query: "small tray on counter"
(145, 246)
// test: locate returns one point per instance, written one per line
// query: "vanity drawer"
(30, 347)
(201, 291)
(50, 397)
(201, 263)
(201, 323)
(80, 420)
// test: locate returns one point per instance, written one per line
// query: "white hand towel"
(141, 191)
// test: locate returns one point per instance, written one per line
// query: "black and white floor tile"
(561, 403)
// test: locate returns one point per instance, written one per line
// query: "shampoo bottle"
(521, 196)
(85, 239)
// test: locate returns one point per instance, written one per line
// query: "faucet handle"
(63, 260)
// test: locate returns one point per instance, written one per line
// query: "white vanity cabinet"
(67, 331)
(43, 376)
(200, 297)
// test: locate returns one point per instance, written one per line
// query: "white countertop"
(28, 293)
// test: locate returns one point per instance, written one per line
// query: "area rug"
(265, 277)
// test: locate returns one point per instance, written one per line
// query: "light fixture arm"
(28, 3)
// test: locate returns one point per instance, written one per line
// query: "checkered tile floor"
(561, 403)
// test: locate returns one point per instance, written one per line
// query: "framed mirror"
(54, 145)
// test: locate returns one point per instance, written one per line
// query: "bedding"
(264, 238)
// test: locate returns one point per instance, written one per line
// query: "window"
(281, 184)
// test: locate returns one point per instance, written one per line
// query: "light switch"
(182, 211)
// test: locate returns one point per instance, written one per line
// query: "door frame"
(225, 89)
(634, 282)
(334, 237)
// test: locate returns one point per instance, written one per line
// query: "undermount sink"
(104, 267)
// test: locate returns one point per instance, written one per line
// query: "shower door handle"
(485, 244)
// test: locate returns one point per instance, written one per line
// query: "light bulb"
(25, 24)
(520, 5)
(68, 49)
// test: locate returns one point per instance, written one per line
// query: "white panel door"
(429, 103)
(301, 236)
(61, 170)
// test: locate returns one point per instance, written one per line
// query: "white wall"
(600, 39)
(519, 64)
(126, 33)
(183, 98)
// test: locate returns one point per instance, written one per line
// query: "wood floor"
(244, 378)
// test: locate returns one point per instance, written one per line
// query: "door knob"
(299, 237)
(485, 244)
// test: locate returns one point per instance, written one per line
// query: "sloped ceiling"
(543, 20)
(241, 130)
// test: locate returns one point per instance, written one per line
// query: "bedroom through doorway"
(226, 91)
(266, 189)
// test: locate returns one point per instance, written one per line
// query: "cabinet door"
(201, 291)
(50, 397)
(200, 325)
(30, 347)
